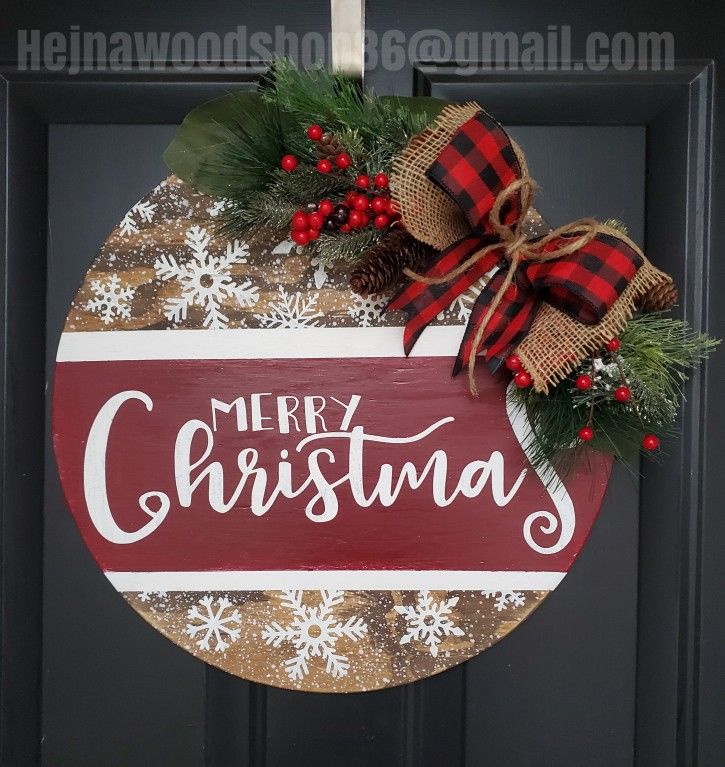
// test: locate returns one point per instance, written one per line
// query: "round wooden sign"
(271, 484)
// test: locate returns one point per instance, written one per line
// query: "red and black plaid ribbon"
(474, 168)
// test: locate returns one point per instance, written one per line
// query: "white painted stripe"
(348, 580)
(254, 343)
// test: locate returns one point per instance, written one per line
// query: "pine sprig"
(272, 207)
(346, 247)
(246, 215)
(245, 153)
(372, 129)
(231, 148)
(656, 354)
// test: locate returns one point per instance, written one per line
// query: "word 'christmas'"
(332, 460)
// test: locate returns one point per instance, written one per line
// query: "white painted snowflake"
(111, 299)
(145, 596)
(320, 273)
(429, 621)
(291, 311)
(142, 211)
(217, 207)
(366, 310)
(314, 632)
(205, 280)
(213, 624)
(505, 599)
(463, 305)
(283, 248)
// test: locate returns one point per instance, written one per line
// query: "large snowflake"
(111, 299)
(141, 212)
(213, 625)
(429, 621)
(505, 599)
(366, 310)
(205, 280)
(314, 631)
(291, 311)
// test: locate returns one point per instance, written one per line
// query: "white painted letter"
(94, 476)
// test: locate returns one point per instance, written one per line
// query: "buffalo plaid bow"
(580, 274)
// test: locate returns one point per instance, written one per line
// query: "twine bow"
(580, 268)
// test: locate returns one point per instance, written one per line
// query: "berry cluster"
(583, 383)
(366, 203)
(622, 394)
(356, 211)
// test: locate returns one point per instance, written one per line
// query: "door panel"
(117, 693)
(113, 694)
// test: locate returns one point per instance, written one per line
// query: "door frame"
(678, 629)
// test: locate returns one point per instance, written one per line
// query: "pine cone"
(381, 268)
(329, 146)
(658, 298)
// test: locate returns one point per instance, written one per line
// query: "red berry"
(313, 234)
(300, 236)
(613, 344)
(351, 196)
(391, 207)
(513, 363)
(586, 434)
(360, 203)
(362, 181)
(522, 379)
(381, 221)
(343, 160)
(324, 166)
(325, 207)
(300, 220)
(288, 163)
(345, 228)
(380, 181)
(355, 219)
(316, 220)
(378, 205)
(622, 394)
(650, 442)
(584, 382)
(314, 132)
(365, 220)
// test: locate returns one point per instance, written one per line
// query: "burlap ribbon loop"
(588, 273)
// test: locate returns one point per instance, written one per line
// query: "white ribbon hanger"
(348, 37)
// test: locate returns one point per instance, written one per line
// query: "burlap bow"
(463, 186)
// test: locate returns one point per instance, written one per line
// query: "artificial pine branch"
(656, 355)
(384, 125)
(338, 246)
(244, 216)
(273, 207)
(246, 154)
(231, 147)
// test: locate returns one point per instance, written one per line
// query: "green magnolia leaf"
(201, 133)
(230, 144)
